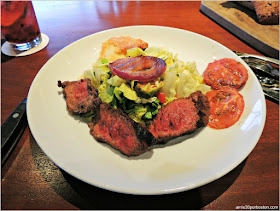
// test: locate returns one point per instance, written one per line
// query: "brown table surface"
(30, 180)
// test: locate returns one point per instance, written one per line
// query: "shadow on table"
(5, 58)
(85, 196)
(251, 13)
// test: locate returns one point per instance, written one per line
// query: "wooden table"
(30, 180)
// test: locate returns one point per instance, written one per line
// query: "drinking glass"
(19, 24)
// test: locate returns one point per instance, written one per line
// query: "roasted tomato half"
(226, 107)
(225, 72)
(140, 68)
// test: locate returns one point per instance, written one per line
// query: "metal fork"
(267, 75)
(268, 82)
(262, 66)
(245, 55)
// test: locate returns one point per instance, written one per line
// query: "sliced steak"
(181, 116)
(80, 96)
(117, 129)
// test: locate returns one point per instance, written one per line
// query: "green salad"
(141, 101)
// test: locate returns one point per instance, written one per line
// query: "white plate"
(178, 166)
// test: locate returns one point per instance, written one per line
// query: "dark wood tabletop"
(30, 180)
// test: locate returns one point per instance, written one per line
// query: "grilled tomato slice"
(140, 68)
(225, 72)
(226, 107)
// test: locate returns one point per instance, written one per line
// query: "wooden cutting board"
(242, 22)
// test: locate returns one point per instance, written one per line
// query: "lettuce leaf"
(126, 91)
(137, 113)
(116, 81)
(160, 52)
(133, 52)
(106, 92)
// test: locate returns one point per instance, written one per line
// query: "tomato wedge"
(226, 107)
(225, 72)
(140, 68)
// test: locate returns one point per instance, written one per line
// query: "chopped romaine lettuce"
(106, 92)
(170, 85)
(160, 52)
(127, 92)
(104, 61)
(137, 113)
(133, 52)
(149, 89)
(140, 100)
(88, 74)
(116, 81)
(182, 79)
(97, 75)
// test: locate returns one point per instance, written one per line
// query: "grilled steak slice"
(115, 128)
(80, 96)
(181, 116)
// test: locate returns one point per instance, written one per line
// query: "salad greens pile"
(179, 80)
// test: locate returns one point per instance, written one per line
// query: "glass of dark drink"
(19, 25)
